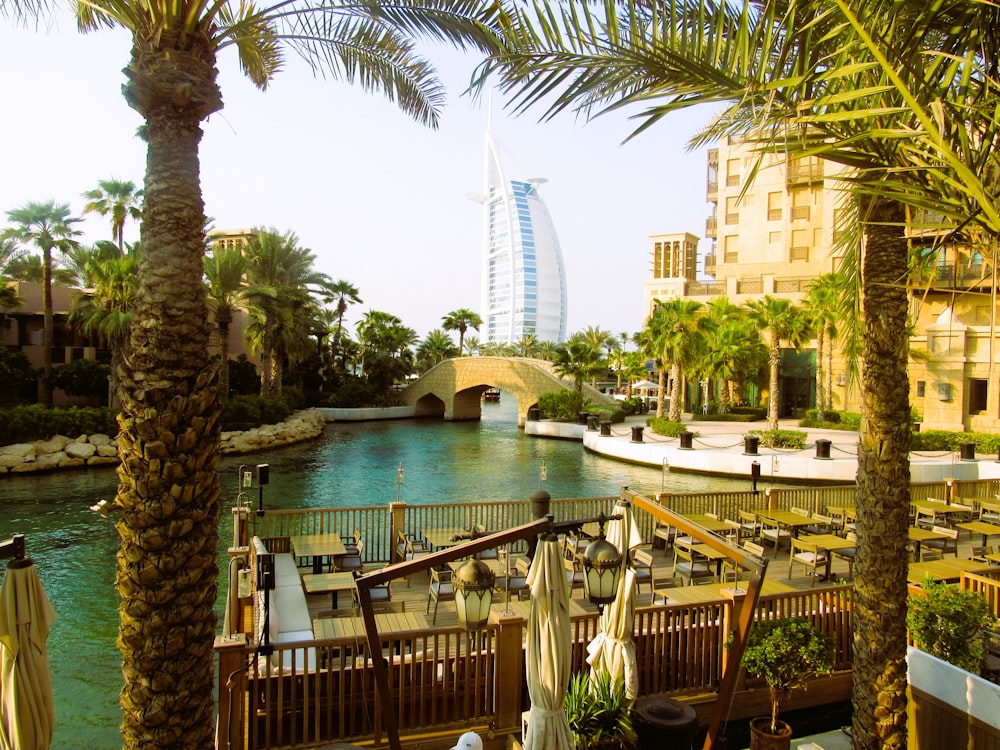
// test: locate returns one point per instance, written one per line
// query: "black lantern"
(473, 583)
(602, 567)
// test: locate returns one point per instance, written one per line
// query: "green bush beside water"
(22, 424)
(781, 438)
(663, 426)
(834, 420)
(943, 440)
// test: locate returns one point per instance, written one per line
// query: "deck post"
(771, 495)
(232, 678)
(508, 674)
(397, 525)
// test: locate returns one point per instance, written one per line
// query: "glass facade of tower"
(524, 282)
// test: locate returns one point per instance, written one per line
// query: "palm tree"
(119, 199)
(436, 347)
(578, 360)
(279, 275)
(822, 304)
(471, 347)
(107, 311)
(527, 345)
(461, 320)
(225, 271)
(346, 294)
(48, 227)
(9, 298)
(783, 321)
(648, 340)
(680, 337)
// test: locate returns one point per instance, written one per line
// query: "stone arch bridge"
(454, 388)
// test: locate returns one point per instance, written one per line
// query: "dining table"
(939, 513)
(708, 593)
(984, 528)
(918, 535)
(446, 536)
(948, 570)
(317, 547)
(715, 525)
(789, 520)
(354, 627)
(829, 542)
(332, 583)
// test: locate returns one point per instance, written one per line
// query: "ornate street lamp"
(473, 582)
(602, 566)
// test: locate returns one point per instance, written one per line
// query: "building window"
(732, 246)
(774, 238)
(732, 210)
(921, 388)
(774, 202)
(732, 172)
(978, 392)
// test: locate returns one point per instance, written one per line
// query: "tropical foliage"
(949, 622)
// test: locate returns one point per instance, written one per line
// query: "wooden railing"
(322, 691)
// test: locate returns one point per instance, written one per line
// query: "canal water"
(350, 465)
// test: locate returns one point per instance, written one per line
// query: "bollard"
(750, 444)
(637, 434)
(967, 451)
(592, 422)
(823, 448)
(686, 438)
(534, 414)
(581, 417)
(605, 428)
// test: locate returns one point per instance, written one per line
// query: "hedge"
(781, 438)
(22, 424)
(663, 426)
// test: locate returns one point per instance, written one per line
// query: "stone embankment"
(61, 452)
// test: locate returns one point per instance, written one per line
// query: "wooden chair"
(351, 562)
(932, 555)
(809, 556)
(642, 562)
(574, 576)
(750, 524)
(754, 548)
(821, 524)
(979, 553)
(990, 516)
(771, 531)
(848, 554)
(734, 532)
(665, 534)
(947, 544)
(689, 567)
(441, 589)
(666, 583)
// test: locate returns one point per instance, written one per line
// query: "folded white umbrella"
(27, 708)
(548, 654)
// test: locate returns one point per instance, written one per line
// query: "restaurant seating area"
(684, 596)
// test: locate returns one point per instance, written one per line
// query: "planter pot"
(762, 739)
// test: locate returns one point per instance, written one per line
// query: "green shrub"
(606, 413)
(244, 412)
(663, 426)
(756, 411)
(561, 406)
(598, 711)
(944, 440)
(82, 377)
(243, 377)
(23, 424)
(631, 405)
(948, 623)
(18, 379)
(727, 417)
(781, 438)
(851, 420)
(835, 420)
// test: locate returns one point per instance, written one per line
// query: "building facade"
(777, 234)
(523, 277)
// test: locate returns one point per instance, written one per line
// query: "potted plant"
(785, 652)
(598, 713)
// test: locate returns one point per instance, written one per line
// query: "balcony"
(711, 227)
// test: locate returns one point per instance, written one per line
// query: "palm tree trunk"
(883, 501)
(48, 330)
(169, 439)
(772, 397)
(676, 392)
(661, 390)
(829, 373)
(820, 393)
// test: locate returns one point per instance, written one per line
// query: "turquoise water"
(351, 465)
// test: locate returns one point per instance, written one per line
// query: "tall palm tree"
(578, 360)
(783, 321)
(280, 277)
(107, 310)
(461, 320)
(648, 340)
(225, 272)
(171, 389)
(681, 330)
(527, 345)
(471, 347)
(436, 347)
(119, 199)
(823, 305)
(346, 294)
(48, 227)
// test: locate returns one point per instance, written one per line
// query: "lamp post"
(602, 566)
(473, 583)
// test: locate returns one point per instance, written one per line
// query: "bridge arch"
(454, 388)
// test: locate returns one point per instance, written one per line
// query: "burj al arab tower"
(524, 280)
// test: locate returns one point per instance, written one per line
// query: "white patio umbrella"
(548, 656)
(27, 709)
(644, 385)
(613, 649)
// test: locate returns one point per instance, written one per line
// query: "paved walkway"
(719, 448)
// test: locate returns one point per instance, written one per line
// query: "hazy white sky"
(379, 199)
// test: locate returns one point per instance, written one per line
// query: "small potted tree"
(784, 652)
(951, 624)
(598, 713)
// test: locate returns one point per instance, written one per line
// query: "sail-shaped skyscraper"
(524, 281)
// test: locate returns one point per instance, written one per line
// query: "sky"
(382, 201)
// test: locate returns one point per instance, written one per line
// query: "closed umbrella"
(548, 654)
(613, 649)
(27, 710)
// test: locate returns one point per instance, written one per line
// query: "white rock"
(80, 450)
(24, 450)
